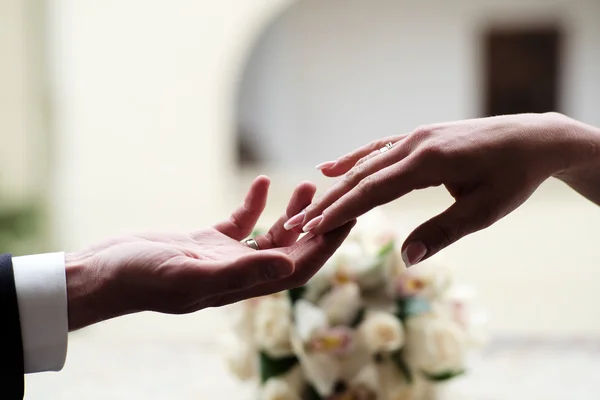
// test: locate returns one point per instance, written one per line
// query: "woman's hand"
(490, 166)
(182, 273)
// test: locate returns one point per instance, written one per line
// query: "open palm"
(182, 273)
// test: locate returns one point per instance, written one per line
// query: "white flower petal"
(308, 319)
(321, 370)
(286, 387)
(367, 377)
(242, 360)
(341, 304)
(272, 326)
(436, 343)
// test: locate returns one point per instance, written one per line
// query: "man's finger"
(242, 221)
(278, 236)
(346, 162)
(245, 272)
(467, 215)
(309, 255)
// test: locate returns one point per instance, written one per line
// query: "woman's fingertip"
(325, 165)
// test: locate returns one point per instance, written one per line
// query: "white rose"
(322, 280)
(309, 319)
(382, 332)
(342, 304)
(371, 225)
(241, 318)
(286, 387)
(435, 343)
(430, 281)
(273, 325)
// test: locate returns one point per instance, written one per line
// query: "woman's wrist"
(581, 150)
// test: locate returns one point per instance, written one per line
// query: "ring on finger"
(251, 243)
(387, 147)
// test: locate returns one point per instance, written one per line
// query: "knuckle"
(446, 234)
(431, 152)
(233, 219)
(365, 186)
(363, 160)
(354, 176)
(422, 132)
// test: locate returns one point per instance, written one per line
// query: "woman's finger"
(368, 157)
(344, 163)
(278, 236)
(380, 188)
(350, 180)
(242, 221)
(309, 255)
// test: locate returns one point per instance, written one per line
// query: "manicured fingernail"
(279, 269)
(413, 253)
(312, 224)
(294, 221)
(325, 165)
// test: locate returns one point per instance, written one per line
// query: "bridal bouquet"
(363, 328)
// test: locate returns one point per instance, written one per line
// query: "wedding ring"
(387, 147)
(251, 243)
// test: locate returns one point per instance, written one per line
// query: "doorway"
(522, 70)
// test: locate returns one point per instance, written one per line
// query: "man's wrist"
(83, 290)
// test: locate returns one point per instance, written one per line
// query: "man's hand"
(182, 273)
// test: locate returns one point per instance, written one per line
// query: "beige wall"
(143, 118)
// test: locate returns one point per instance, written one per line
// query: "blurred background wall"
(327, 76)
(24, 119)
(126, 116)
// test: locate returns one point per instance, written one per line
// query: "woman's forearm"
(584, 174)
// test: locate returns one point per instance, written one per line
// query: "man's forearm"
(584, 175)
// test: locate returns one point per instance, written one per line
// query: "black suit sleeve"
(11, 344)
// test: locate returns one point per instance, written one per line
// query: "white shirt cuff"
(41, 286)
